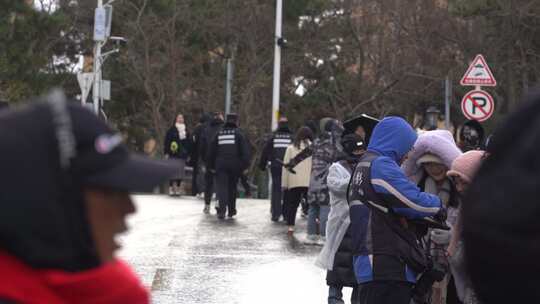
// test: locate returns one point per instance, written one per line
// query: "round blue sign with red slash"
(478, 105)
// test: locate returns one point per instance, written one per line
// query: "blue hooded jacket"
(392, 139)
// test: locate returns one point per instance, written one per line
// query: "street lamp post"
(97, 66)
(228, 87)
(277, 64)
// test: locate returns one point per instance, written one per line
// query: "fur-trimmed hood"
(437, 142)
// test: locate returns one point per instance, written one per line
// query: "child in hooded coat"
(427, 165)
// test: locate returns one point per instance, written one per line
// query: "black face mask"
(283, 125)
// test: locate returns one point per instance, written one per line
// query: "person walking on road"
(229, 157)
(295, 185)
(326, 150)
(58, 240)
(196, 158)
(208, 135)
(337, 254)
(273, 153)
(387, 253)
(177, 146)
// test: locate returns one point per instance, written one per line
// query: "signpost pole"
(447, 100)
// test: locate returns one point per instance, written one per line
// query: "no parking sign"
(477, 105)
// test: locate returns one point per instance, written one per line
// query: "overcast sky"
(48, 5)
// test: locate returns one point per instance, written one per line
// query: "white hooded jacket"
(338, 218)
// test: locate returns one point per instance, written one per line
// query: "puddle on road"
(163, 279)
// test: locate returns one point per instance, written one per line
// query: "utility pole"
(229, 83)
(102, 33)
(99, 37)
(277, 64)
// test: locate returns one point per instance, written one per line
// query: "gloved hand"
(289, 168)
(440, 237)
(441, 215)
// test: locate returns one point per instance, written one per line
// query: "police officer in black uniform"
(273, 152)
(207, 136)
(229, 157)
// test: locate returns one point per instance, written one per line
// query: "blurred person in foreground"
(63, 206)
(500, 211)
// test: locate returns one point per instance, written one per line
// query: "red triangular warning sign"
(478, 74)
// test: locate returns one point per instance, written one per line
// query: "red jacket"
(111, 283)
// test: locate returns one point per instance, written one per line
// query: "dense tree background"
(348, 56)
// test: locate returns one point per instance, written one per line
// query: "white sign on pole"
(85, 82)
(100, 24)
(478, 105)
(108, 20)
(105, 89)
(478, 74)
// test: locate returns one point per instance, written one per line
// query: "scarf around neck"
(181, 130)
(443, 192)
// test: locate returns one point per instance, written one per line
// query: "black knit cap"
(501, 213)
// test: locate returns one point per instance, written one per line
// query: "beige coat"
(303, 169)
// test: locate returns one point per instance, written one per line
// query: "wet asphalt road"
(185, 256)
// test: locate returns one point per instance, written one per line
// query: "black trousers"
(275, 200)
(194, 184)
(227, 181)
(209, 186)
(385, 292)
(291, 199)
(245, 184)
